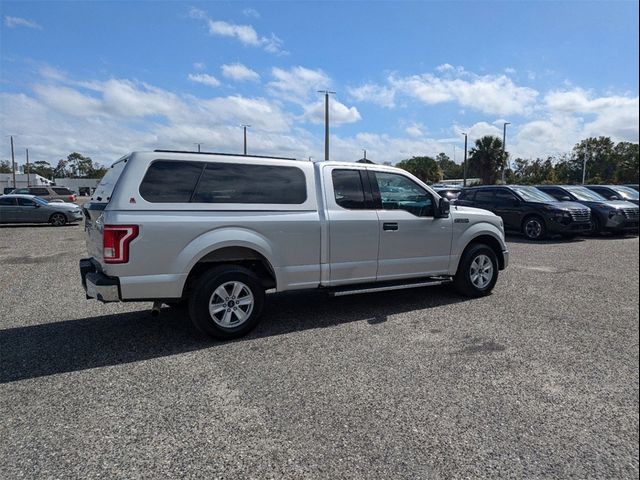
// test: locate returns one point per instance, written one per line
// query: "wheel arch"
(490, 241)
(246, 257)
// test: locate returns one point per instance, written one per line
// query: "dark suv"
(615, 192)
(606, 215)
(528, 210)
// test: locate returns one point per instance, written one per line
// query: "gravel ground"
(539, 379)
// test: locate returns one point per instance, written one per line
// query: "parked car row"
(566, 210)
(50, 194)
(16, 208)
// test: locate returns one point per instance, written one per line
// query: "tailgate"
(94, 209)
(93, 228)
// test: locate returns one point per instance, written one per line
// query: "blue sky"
(104, 78)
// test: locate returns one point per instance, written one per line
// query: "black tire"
(58, 219)
(226, 324)
(463, 279)
(533, 228)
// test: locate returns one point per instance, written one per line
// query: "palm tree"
(487, 158)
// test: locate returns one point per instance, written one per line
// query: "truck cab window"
(347, 189)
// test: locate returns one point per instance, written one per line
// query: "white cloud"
(105, 119)
(297, 83)
(245, 34)
(239, 72)
(205, 79)
(492, 94)
(67, 100)
(414, 130)
(372, 93)
(338, 113)
(613, 115)
(13, 22)
(199, 66)
(251, 12)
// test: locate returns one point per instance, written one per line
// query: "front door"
(413, 243)
(28, 211)
(509, 207)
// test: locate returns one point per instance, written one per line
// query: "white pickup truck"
(217, 231)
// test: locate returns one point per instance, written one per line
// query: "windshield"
(586, 195)
(532, 194)
(626, 192)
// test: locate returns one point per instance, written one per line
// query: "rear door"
(353, 225)
(413, 243)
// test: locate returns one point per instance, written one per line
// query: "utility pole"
(244, 127)
(28, 176)
(464, 168)
(584, 166)
(326, 122)
(198, 145)
(13, 164)
(504, 140)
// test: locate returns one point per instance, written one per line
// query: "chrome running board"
(384, 288)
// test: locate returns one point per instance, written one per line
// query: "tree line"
(74, 166)
(606, 162)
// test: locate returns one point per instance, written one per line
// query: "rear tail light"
(72, 198)
(115, 242)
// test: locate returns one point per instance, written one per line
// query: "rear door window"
(7, 202)
(62, 191)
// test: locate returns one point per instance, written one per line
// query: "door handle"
(390, 226)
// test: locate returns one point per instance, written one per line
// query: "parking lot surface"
(540, 379)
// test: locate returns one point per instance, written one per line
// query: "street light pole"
(464, 168)
(584, 167)
(244, 127)
(326, 122)
(504, 140)
(13, 164)
(198, 145)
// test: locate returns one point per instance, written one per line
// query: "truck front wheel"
(477, 271)
(226, 302)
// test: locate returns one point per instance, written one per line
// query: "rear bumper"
(96, 284)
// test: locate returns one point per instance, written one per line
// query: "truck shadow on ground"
(73, 345)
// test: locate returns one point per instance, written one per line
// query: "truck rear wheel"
(477, 271)
(226, 302)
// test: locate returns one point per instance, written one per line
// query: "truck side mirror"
(444, 207)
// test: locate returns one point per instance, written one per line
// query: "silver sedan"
(32, 209)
